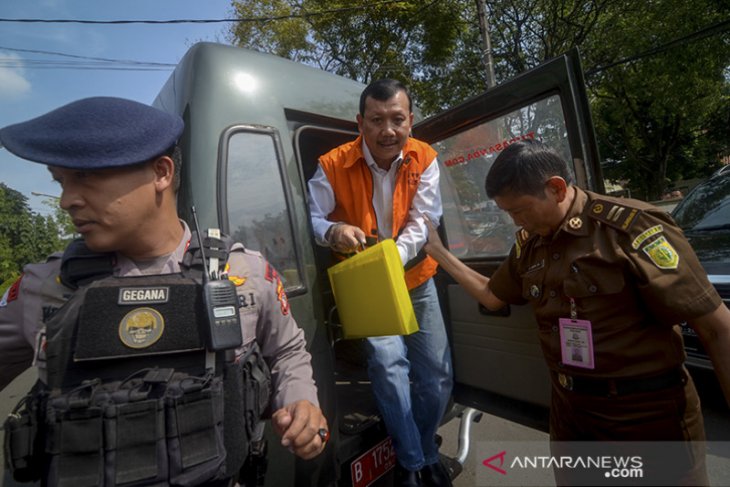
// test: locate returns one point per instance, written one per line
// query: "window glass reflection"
(257, 210)
(475, 227)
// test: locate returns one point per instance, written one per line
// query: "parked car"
(704, 216)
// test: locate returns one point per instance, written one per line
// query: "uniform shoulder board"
(521, 237)
(613, 213)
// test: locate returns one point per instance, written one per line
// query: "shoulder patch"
(272, 276)
(282, 297)
(12, 293)
(613, 214)
(662, 254)
(643, 236)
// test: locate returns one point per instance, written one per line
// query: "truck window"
(258, 215)
(483, 230)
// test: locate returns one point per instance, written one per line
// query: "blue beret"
(94, 133)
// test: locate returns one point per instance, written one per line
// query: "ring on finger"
(324, 435)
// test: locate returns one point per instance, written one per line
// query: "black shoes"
(435, 475)
(405, 478)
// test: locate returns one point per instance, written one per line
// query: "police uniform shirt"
(263, 307)
(629, 271)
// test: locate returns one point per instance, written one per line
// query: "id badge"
(576, 343)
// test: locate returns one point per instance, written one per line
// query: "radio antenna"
(206, 274)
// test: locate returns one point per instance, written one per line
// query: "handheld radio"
(221, 305)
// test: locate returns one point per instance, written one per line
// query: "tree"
(26, 236)
(660, 117)
(655, 114)
(410, 40)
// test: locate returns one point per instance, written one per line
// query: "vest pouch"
(23, 451)
(135, 447)
(194, 422)
(74, 443)
(257, 380)
(236, 438)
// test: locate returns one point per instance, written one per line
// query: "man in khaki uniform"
(118, 169)
(609, 280)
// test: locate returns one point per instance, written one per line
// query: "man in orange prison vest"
(374, 188)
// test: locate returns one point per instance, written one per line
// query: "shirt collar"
(575, 222)
(127, 267)
(371, 162)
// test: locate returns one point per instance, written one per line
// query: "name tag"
(576, 343)
(143, 295)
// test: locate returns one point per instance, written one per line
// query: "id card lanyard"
(576, 340)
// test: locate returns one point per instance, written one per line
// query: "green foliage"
(26, 236)
(656, 114)
(409, 40)
(661, 118)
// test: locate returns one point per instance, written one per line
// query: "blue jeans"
(412, 411)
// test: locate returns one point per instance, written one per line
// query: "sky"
(27, 91)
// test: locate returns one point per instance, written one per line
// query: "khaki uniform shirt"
(627, 268)
(263, 307)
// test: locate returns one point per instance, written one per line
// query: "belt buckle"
(565, 381)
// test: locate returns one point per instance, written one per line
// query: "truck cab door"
(498, 365)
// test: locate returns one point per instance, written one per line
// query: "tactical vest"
(131, 395)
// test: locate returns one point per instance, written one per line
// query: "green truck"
(255, 126)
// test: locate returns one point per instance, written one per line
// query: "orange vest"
(352, 184)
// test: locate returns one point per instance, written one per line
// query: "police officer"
(119, 175)
(609, 279)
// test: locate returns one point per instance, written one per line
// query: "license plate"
(373, 464)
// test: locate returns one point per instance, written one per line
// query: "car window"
(483, 229)
(256, 201)
(707, 207)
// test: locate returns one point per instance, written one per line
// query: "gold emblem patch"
(141, 327)
(627, 223)
(575, 223)
(534, 291)
(237, 280)
(661, 252)
(598, 208)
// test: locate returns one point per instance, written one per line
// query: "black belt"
(620, 387)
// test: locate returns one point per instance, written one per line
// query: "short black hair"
(523, 168)
(176, 155)
(383, 90)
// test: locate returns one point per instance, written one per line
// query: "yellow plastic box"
(371, 294)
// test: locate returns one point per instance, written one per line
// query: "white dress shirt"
(426, 201)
